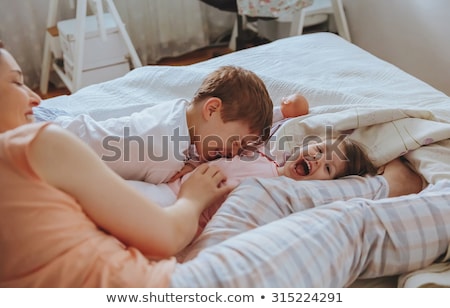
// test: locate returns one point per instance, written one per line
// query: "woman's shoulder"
(48, 130)
(24, 133)
(16, 145)
(41, 134)
(52, 136)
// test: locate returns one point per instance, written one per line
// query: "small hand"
(294, 105)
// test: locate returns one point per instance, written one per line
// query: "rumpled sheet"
(386, 133)
(391, 112)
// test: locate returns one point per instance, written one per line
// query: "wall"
(411, 34)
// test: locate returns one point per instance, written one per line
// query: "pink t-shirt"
(236, 170)
(46, 240)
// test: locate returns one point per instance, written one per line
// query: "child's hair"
(358, 163)
(244, 97)
(1, 44)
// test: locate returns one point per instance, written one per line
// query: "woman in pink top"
(67, 220)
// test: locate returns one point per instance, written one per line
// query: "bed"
(387, 110)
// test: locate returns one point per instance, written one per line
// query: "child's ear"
(212, 105)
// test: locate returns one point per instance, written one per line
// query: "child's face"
(223, 139)
(316, 161)
(16, 99)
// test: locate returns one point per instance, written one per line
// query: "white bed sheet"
(331, 72)
(338, 78)
(346, 86)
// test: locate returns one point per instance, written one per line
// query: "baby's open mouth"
(302, 167)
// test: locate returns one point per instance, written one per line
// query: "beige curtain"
(158, 28)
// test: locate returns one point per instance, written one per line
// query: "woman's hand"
(205, 186)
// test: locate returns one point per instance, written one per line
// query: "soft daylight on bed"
(207, 151)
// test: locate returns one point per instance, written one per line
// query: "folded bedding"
(386, 133)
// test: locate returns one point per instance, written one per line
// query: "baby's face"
(316, 161)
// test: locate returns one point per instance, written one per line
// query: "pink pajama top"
(236, 170)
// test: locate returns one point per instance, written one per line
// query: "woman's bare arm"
(66, 163)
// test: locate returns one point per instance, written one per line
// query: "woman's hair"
(358, 163)
(244, 97)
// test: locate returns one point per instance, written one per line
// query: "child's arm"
(65, 162)
(401, 178)
(294, 105)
